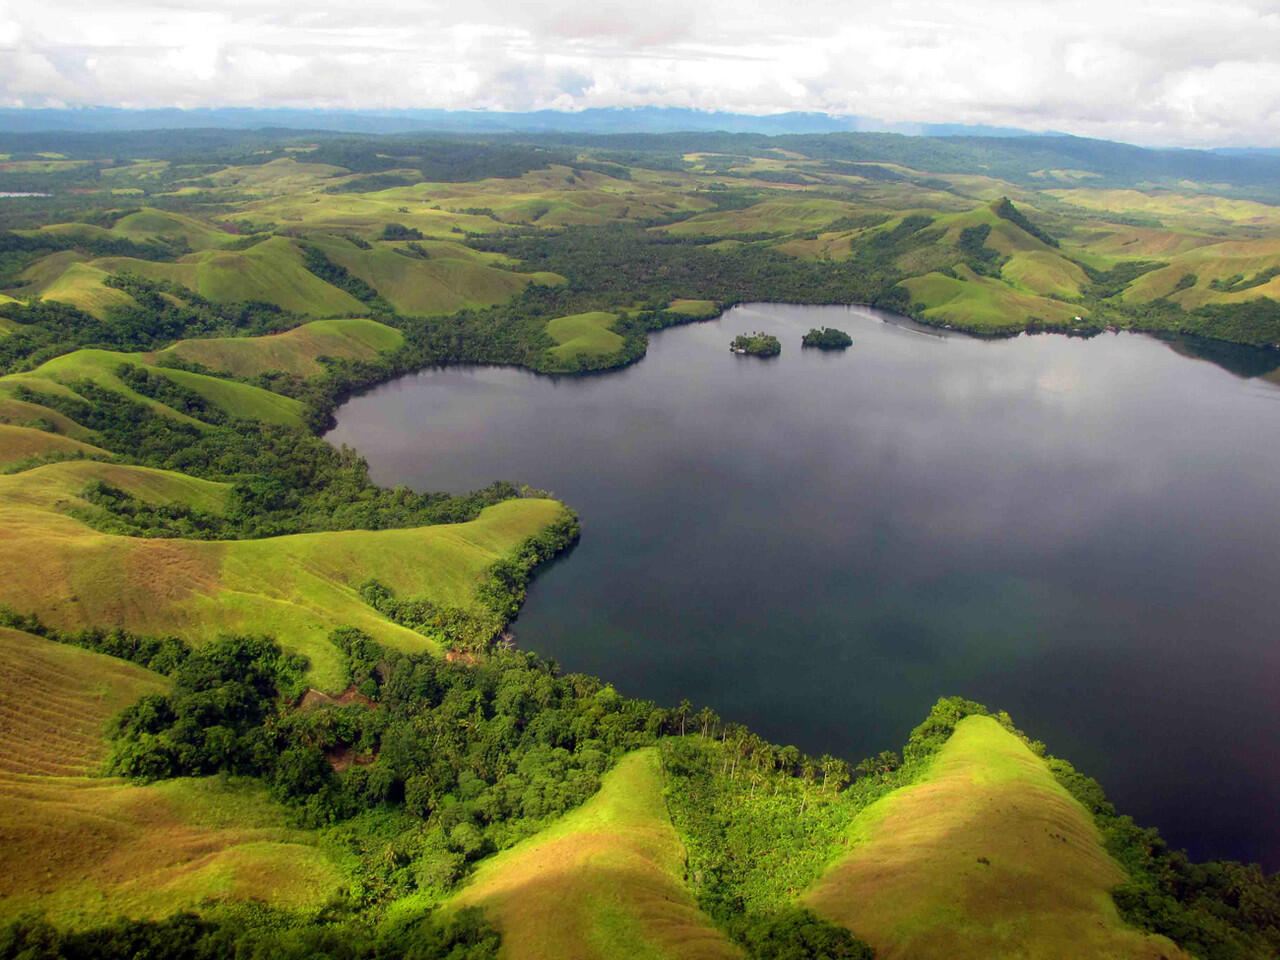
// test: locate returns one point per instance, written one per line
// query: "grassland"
(1045, 273)
(589, 334)
(695, 309)
(986, 856)
(791, 215)
(446, 282)
(283, 176)
(236, 399)
(1203, 266)
(273, 272)
(296, 351)
(296, 588)
(366, 214)
(138, 170)
(192, 231)
(56, 486)
(604, 883)
(19, 443)
(37, 276)
(81, 286)
(87, 849)
(1200, 209)
(270, 272)
(149, 224)
(20, 413)
(450, 279)
(561, 196)
(981, 304)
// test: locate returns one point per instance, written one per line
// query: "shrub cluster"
(465, 935)
(827, 338)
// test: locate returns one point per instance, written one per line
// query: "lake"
(1085, 533)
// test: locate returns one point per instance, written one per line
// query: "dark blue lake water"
(1083, 533)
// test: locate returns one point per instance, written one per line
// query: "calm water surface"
(1083, 533)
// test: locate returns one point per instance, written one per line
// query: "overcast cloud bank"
(1182, 72)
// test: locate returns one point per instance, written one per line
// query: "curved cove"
(1081, 532)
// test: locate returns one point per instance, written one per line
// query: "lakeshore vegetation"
(256, 705)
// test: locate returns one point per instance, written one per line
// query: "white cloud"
(1186, 72)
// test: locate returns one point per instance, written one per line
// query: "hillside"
(439, 278)
(986, 856)
(604, 882)
(295, 351)
(89, 848)
(101, 367)
(585, 334)
(297, 588)
(18, 443)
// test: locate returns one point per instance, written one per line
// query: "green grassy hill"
(282, 176)
(986, 856)
(88, 849)
(31, 281)
(296, 351)
(20, 413)
(296, 588)
(561, 196)
(57, 486)
(366, 214)
(982, 304)
(1045, 273)
(19, 443)
(1188, 207)
(695, 309)
(590, 334)
(1229, 272)
(270, 272)
(236, 399)
(604, 883)
(150, 222)
(437, 285)
(790, 215)
(81, 286)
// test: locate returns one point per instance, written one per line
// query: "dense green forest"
(828, 338)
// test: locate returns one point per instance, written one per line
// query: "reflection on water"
(1241, 360)
(1082, 532)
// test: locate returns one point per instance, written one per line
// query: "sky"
(1179, 72)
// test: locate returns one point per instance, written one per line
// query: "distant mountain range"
(599, 120)
(643, 135)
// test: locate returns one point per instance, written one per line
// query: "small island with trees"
(828, 338)
(757, 344)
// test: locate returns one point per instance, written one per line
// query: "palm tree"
(809, 773)
(708, 719)
(683, 712)
(835, 770)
